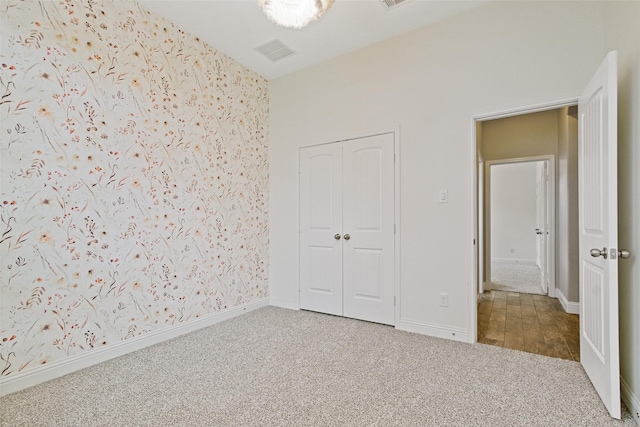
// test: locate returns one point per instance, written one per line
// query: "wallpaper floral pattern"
(134, 178)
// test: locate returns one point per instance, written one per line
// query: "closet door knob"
(337, 237)
(347, 237)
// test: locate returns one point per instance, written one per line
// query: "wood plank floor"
(532, 323)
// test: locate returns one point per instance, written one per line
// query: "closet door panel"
(368, 204)
(320, 221)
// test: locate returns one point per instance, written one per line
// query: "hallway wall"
(567, 254)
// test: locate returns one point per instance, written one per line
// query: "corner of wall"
(284, 303)
(569, 306)
(25, 379)
(630, 400)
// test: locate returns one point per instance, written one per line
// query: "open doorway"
(520, 230)
(536, 150)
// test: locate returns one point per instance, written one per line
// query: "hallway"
(532, 323)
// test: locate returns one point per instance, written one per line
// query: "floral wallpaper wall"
(134, 178)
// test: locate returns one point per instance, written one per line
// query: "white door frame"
(474, 285)
(396, 203)
(550, 208)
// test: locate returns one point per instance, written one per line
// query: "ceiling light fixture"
(294, 13)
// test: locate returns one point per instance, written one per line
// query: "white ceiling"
(237, 27)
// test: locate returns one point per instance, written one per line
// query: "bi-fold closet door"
(347, 227)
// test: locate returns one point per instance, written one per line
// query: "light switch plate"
(443, 197)
(444, 300)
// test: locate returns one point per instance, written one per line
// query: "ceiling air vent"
(275, 50)
(390, 4)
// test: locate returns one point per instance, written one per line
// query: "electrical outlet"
(513, 250)
(444, 300)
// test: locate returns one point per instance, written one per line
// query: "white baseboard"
(569, 306)
(433, 329)
(486, 286)
(631, 400)
(522, 261)
(284, 303)
(58, 368)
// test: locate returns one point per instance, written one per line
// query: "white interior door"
(347, 241)
(598, 223)
(320, 222)
(368, 189)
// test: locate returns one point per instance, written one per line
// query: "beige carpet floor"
(513, 276)
(276, 367)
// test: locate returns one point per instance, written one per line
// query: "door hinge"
(394, 301)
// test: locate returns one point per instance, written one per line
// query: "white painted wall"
(513, 211)
(430, 82)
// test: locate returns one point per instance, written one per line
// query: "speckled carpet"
(513, 276)
(276, 367)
